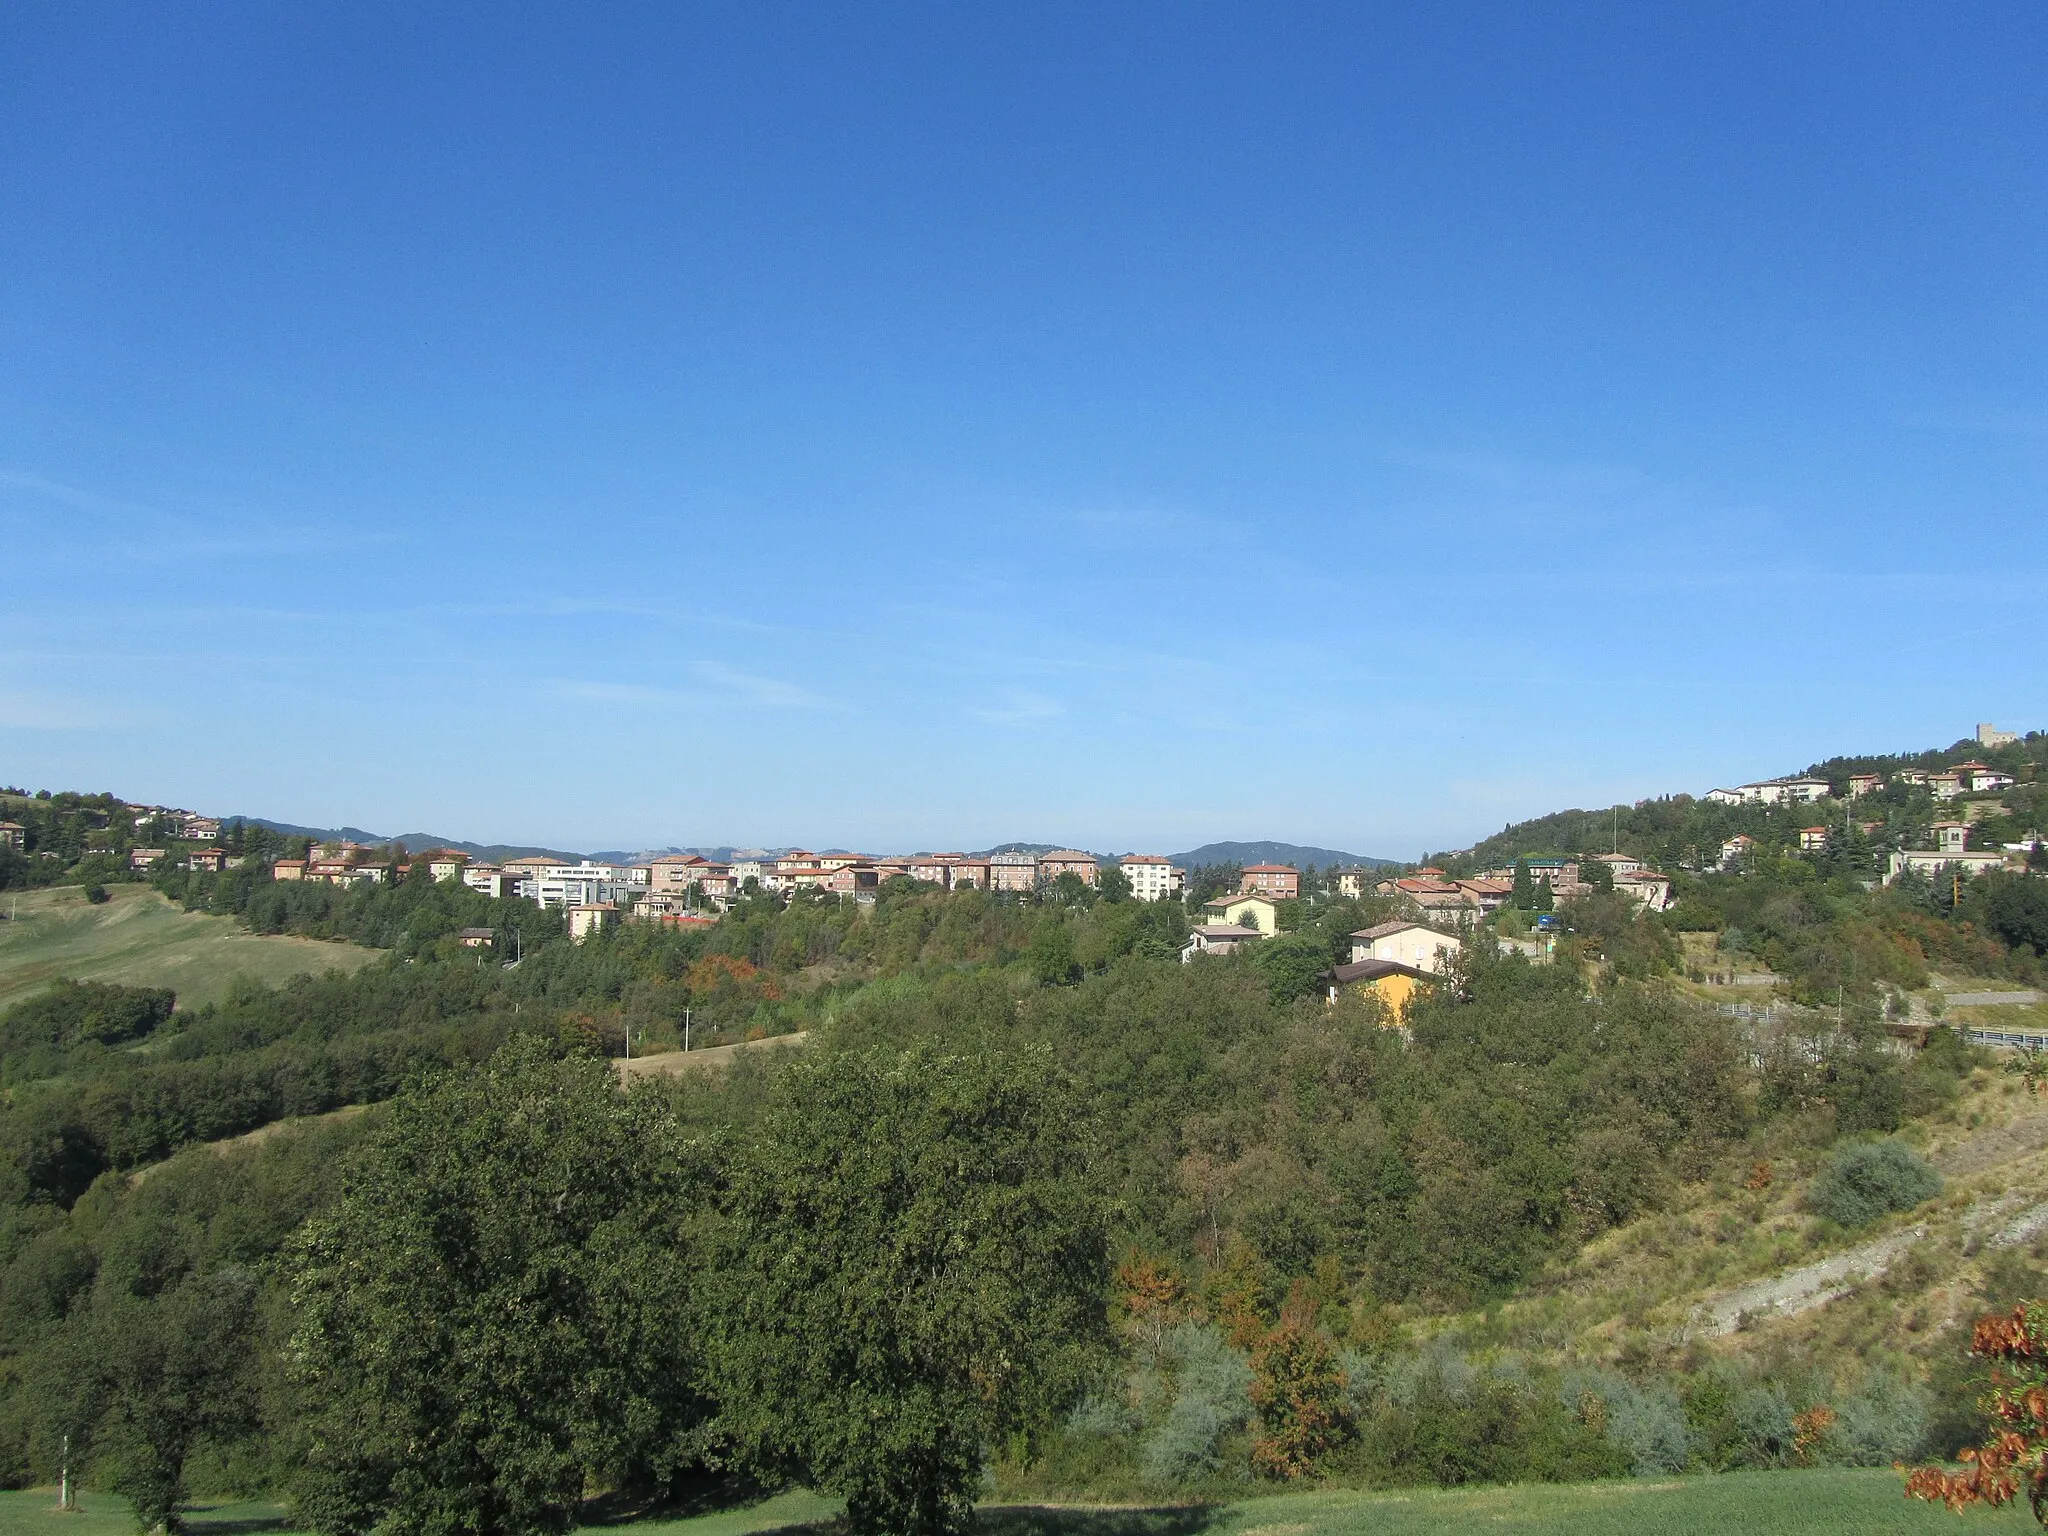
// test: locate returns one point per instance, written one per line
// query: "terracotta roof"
(1144, 858)
(1228, 931)
(1271, 869)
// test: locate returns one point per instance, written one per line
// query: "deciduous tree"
(497, 1310)
(915, 1269)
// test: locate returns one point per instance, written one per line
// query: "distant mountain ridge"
(412, 842)
(1297, 854)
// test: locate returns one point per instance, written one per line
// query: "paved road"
(1992, 999)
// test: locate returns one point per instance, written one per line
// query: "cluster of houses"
(1951, 852)
(1943, 783)
(162, 819)
(1459, 902)
(686, 888)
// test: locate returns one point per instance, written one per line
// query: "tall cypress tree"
(1524, 896)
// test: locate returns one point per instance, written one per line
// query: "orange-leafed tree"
(1299, 1391)
(1152, 1296)
(2014, 1459)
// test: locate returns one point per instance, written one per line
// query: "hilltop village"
(1940, 819)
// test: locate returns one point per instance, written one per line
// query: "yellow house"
(1246, 909)
(1393, 983)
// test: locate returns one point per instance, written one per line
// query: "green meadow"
(141, 939)
(1821, 1503)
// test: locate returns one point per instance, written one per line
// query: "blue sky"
(908, 426)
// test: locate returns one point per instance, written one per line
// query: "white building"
(1152, 878)
(1215, 939)
(1646, 888)
(1977, 777)
(493, 881)
(586, 884)
(1796, 791)
(588, 918)
(1408, 944)
(1932, 861)
(1352, 884)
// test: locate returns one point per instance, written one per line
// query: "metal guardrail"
(2019, 1039)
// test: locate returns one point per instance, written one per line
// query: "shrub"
(1873, 1179)
(1299, 1390)
(1211, 1397)
(1646, 1422)
(96, 894)
(1763, 1415)
(1885, 1423)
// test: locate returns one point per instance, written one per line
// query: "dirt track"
(671, 1062)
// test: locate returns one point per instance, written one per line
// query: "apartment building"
(674, 871)
(1068, 861)
(1013, 872)
(1280, 881)
(585, 884)
(1153, 877)
(1794, 791)
(493, 880)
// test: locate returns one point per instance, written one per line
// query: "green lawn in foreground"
(1833, 1503)
(143, 940)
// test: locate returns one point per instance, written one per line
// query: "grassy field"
(143, 940)
(1831, 1503)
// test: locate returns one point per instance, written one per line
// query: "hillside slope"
(1736, 1271)
(138, 938)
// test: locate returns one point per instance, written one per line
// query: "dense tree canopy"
(498, 1308)
(914, 1268)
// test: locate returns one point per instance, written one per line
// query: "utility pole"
(686, 1029)
(66, 1504)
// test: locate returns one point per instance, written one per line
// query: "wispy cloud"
(760, 690)
(615, 693)
(69, 495)
(722, 685)
(1023, 709)
(24, 711)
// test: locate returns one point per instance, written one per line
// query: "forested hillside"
(1684, 831)
(1121, 1226)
